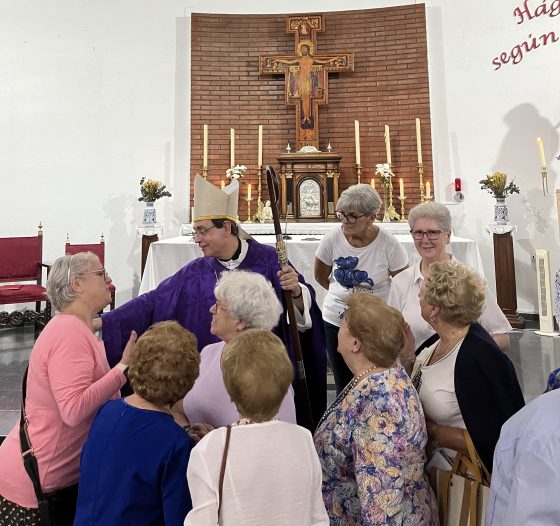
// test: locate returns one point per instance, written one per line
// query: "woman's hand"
(197, 431)
(96, 324)
(129, 348)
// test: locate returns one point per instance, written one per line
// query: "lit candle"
(428, 190)
(401, 187)
(418, 142)
(260, 143)
(232, 147)
(357, 139)
(540, 147)
(205, 156)
(388, 144)
(223, 185)
(249, 191)
(373, 183)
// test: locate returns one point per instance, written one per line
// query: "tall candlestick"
(418, 142)
(232, 147)
(249, 191)
(205, 155)
(540, 148)
(373, 183)
(388, 144)
(428, 190)
(401, 188)
(260, 143)
(357, 139)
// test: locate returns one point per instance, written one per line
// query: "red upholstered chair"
(21, 263)
(99, 250)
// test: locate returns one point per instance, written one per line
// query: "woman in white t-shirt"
(358, 256)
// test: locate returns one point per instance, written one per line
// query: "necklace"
(246, 421)
(443, 350)
(351, 384)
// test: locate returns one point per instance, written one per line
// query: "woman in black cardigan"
(464, 380)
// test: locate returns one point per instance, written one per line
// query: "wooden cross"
(306, 75)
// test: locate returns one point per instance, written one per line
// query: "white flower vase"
(501, 215)
(150, 214)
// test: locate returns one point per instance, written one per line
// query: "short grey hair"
(59, 289)
(432, 210)
(361, 198)
(250, 298)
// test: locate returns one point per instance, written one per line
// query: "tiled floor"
(533, 357)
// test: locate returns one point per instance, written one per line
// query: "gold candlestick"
(421, 176)
(401, 199)
(358, 172)
(260, 215)
(248, 199)
(205, 172)
(391, 212)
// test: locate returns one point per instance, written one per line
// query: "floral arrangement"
(384, 172)
(236, 172)
(496, 184)
(152, 190)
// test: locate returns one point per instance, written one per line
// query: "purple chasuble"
(187, 296)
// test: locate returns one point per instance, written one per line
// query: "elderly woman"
(356, 256)
(135, 458)
(430, 226)
(464, 380)
(371, 440)
(260, 470)
(68, 379)
(244, 300)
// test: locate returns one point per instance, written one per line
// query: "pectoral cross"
(306, 75)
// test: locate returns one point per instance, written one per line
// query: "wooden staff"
(302, 402)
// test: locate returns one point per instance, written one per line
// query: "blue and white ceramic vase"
(150, 214)
(501, 215)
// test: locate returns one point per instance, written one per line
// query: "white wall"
(94, 96)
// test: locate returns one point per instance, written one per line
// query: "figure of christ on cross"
(306, 79)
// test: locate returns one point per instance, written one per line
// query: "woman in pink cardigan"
(68, 380)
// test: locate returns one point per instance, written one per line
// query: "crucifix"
(306, 75)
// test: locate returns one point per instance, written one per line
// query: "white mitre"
(210, 202)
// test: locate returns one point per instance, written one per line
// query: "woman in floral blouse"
(371, 440)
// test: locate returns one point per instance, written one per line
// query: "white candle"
(428, 190)
(260, 143)
(357, 139)
(401, 188)
(540, 147)
(373, 183)
(205, 156)
(388, 144)
(418, 142)
(223, 185)
(249, 191)
(232, 147)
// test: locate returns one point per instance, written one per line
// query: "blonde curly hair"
(164, 364)
(457, 290)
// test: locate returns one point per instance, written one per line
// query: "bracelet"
(299, 295)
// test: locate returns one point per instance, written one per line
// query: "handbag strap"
(27, 453)
(223, 470)
(474, 465)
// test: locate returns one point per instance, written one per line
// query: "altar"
(169, 255)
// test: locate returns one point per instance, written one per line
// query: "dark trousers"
(342, 375)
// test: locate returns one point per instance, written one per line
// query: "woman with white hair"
(244, 300)
(430, 227)
(358, 256)
(68, 379)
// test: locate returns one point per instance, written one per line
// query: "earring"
(432, 318)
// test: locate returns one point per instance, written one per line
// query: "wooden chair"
(21, 263)
(98, 249)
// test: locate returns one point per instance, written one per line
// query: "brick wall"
(388, 86)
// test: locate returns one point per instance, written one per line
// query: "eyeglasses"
(221, 306)
(432, 235)
(350, 218)
(201, 232)
(100, 272)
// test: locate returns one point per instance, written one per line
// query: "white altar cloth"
(169, 255)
